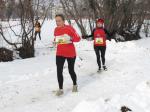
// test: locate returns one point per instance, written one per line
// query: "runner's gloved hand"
(84, 37)
(67, 37)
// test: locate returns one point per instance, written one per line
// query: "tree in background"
(123, 17)
(2, 9)
(26, 11)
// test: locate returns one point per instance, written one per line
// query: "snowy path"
(27, 85)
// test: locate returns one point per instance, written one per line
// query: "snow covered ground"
(27, 85)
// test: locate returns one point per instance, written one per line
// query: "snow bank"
(137, 101)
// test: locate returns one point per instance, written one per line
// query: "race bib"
(63, 39)
(99, 40)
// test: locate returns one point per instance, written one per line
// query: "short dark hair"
(60, 15)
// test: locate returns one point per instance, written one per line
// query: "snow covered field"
(27, 85)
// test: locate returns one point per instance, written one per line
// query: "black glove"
(83, 37)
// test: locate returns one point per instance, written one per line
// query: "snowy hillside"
(28, 85)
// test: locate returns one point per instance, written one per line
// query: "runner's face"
(59, 21)
(99, 24)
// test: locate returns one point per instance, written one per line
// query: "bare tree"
(2, 9)
(123, 17)
(27, 11)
